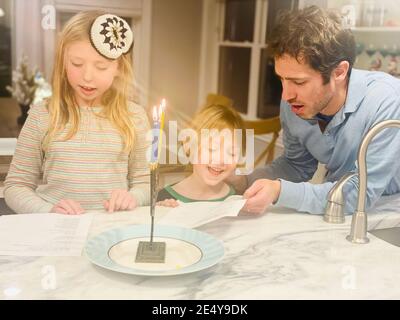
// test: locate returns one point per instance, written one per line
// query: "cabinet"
(378, 49)
(376, 27)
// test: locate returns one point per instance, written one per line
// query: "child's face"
(89, 74)
(217, 160)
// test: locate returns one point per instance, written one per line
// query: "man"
(327, 107)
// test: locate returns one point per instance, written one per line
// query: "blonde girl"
(84, 148)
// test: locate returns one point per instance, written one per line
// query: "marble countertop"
(278, 255)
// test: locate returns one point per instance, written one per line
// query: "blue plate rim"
(206, 261)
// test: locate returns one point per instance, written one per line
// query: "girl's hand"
(121, 200)
(168, 203)
(67, 206)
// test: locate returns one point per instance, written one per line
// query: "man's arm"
(383, 169)
(296, 164)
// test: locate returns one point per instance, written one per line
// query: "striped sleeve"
(26, 167)
(138, 171)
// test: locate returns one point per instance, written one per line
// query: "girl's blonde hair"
(62, 105)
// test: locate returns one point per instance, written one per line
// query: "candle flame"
(161, 108)
(155, 116)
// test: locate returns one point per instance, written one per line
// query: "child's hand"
(168, 203)
(121, 200)
(67, 206)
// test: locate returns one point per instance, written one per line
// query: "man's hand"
(67, 206)
(239, 183)
(120, 200)
(261, 194)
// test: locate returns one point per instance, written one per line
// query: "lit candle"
(161, 113)
(156, 135)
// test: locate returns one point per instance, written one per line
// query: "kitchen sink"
(391, 235)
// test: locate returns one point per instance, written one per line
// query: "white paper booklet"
(47, 234)
(195, 214)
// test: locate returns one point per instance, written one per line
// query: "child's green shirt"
(169, 193)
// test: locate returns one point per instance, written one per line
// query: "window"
(5, 46)
(244, 72)
(376, 28)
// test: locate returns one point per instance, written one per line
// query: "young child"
(87, 142)
(206, 183)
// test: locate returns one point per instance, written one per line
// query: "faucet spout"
(358, 232)
(334, 212)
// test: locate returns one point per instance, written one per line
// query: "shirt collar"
(356, 92)
(322, 117)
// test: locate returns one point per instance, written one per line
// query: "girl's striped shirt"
(85, 168)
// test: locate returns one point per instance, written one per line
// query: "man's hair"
(315, 36)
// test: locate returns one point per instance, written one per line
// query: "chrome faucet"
(334, 211)
(335, 206)
(358, 232)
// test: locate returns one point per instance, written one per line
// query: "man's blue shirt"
(372, 97)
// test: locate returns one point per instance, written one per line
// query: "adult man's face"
(303, 87)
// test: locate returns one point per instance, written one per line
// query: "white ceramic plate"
(187, 250)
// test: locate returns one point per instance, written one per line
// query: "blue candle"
(156, 136)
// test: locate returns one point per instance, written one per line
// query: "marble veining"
(278, 255)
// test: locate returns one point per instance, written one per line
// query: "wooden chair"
(261, 127)
(265, 126)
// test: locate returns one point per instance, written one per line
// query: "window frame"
(213, 34)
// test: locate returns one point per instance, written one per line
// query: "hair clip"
(111, 36)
